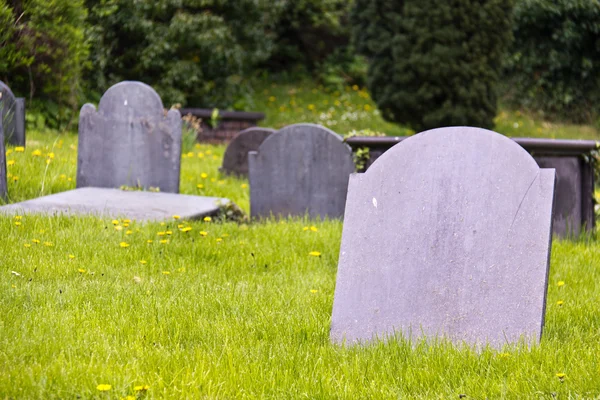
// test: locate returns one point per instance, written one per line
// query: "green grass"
(353, 109)
(238, 311)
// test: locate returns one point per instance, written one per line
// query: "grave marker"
(235, 159)
(12, 112)
(300, 169)
(129, 141)
(447, 234)
(3, 185)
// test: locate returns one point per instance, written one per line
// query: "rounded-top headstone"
(300, 169)
(235, 159)
(448, 235)
(8, 110)
(131, 99)
(129, 141)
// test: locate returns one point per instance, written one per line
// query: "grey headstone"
(300, 169)
(115, 203)
(3, 187)
(448, 235)
(12, 111)
(129, 141)
(235, 159)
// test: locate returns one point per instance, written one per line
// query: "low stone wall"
(229, 123)
(574, 199)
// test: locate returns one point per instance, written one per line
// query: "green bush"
(43, 51)
(193, 52)
(433, 63)
(554, 64)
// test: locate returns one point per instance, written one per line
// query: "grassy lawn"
(228, 310)
(353, 109)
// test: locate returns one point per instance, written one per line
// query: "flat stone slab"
(447, 234)
(115, 203)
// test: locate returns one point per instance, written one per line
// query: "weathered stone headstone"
(235, 159)
(3, 188)
(129, 141)
(12, 112)
(300, 169)
(448, 235)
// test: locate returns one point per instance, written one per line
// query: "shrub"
(192, 52)
(433, 63)
(43, 51)
(554, 65)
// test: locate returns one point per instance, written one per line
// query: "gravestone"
(235, 159)
(115, 203)
(3, 185)
(447, 234)
(300, 169)
(129, 141)
(12, 111)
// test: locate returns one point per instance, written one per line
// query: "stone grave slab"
(235, 159)
(300, 169)
(129, 141)
(447, 234)
(3, 184)
(115, 203)
(12, 112)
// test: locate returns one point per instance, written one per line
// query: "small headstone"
(115, 203)
(129, 141)
(235, 160)
(300, 169)
(447, 234)
(3, 187)
(12, 112)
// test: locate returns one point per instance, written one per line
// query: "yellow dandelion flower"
(200, 186)
(125, 225)
(213, 179)
(166, 272)
(164, 241)
(17, 223)
(313, 228)
(219, 240)
(124, 244)
(355, 87)
(203, 233)
(207, 219)
(204, 175)
(176, 217)
(313, 290)
(128, 397)
(560, 303)
(36, 153)
(149, 241)
(15, 178)
(141, 388)
(161, 233)
(503, 355)
(179, 226)
(186, 229)
(49, 244)
(50, 155)
(305, 228)
(560, 283)
(8, 152)
(315, 254)
(143, 262)
(129, 232)
(244, 185)
(182, 269)
(103, 387)
(36, 241)
(126, 221)
(200, 155)
(115, 222)
(27, 245)
(169, 232)
(10, 162)
(561, 375)
(19, 149)
(311, 107)
(81, 270)
(18, 217)
(71, 256)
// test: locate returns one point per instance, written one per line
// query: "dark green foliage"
(433, 63)
(193, 52)
(43, 51)
(554, 64)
